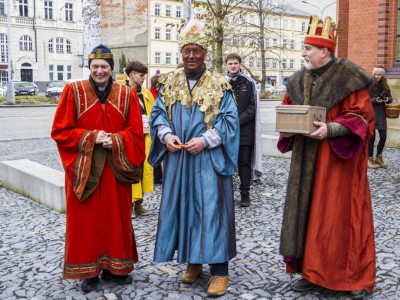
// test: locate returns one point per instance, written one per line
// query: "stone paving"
(32, 242)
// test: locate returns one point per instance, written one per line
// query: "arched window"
(59, 45)
(68, 46)
(25, 43)
(51, 47)
(3, 48)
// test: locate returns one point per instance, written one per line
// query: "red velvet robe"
(99, 232)
(339, 249)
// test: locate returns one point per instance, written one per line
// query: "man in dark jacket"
(246, 97)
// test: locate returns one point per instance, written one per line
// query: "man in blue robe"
(194, 126)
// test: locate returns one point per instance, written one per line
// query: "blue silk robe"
(196, 216)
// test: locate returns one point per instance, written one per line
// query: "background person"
(195, 108)
(98, 131)
(380, 96)
(327, 229)
(157, 171)
(247, 99)
(137, 72)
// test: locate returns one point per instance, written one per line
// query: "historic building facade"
(46, 41)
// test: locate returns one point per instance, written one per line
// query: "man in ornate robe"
(327, 230)
(99, 135)
(194, 126)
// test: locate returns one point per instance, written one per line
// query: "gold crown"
(328, 28)
(99, 54)
(193, 33)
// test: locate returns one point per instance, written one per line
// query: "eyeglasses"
(196, 52)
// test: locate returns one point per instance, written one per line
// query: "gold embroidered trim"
(207, 93)
(357, 115)
(79, 271)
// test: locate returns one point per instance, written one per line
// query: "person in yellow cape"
(137, 72)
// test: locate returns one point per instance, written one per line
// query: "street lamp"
(320, 10)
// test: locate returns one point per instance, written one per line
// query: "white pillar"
(10, 85)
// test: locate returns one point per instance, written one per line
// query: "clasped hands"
(194, 146)
(320, 134)
(105, 139)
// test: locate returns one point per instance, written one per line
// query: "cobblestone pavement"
(32, 242)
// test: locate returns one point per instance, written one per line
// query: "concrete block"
(268, 146)
(38, 182)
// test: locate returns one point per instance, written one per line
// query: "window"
(285, 24)
(51, 48)
(68, 46)
(259, 65)
(69, 17)
(25, 43)
(252, 43)
(267, 63)
(267, 43)
(59, 45)
(243, 41)
(284, 63)
(157, 33)
(3, 48)
(23, 8)
(251, 62)
(168, 10)
(268, 22)
(157, 9)
(168, 57)
(178, 58)
(292, 24)
(292, 44)
(157, 58)
(51, 72)
(302, 45)
(276, 23)
(303, 26)
(2, 11)
(274, 63)
(252, 20)
(274, 42)
(291, 66)
(48, 10)
(284, 43)
(69, 72)
(4, 77)
(60, 72)
(168, 34)
(178, 11)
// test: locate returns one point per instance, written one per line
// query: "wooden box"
(298, 118)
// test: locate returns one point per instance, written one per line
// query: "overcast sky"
(316, 7)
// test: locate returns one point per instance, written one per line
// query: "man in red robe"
(327, 230)
(98, 131)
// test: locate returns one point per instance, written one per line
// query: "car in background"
(25, 88)
(268, 88)
(55, 88)
(280, 89)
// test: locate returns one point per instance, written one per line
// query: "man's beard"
(308, 65)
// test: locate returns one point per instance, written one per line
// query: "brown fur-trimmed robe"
(338, 82)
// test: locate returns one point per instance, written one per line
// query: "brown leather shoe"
(372, 164)
(379, 161)
(191, 273)
(140, 210)
(218, 286)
